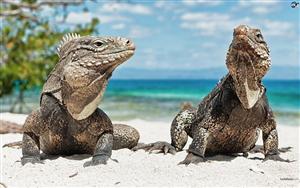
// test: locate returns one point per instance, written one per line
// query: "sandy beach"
(143, 169)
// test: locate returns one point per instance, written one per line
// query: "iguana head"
(86, 63)
(96, 54)
(248, 61)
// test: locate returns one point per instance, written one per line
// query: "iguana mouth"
(118, 52)
(113, 60)
(118, 57)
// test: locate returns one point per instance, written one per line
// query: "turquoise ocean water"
(159, 100)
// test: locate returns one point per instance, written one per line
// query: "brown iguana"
(69, 120)
(228, 119)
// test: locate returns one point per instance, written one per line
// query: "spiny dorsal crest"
(66, 38)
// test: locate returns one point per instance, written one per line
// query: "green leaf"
(28, 50)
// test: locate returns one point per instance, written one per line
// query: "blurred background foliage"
(29, 41)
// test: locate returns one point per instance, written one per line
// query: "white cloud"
(217, 24)
(172, 7)
(277, 28)
(139, 32)
(248, 3)
(259, 7)
(47, 10)
(118, 26)
(86, 17)
(169, 5)
(209, 45)
(111, 18)
(79, 18)
(261, 10)
(202, 15)
(160, 4)
(210, 23)
(125, 7)
(201, 2)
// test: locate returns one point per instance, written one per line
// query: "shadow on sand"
(76, 157)
(256, 149)
(220, 157)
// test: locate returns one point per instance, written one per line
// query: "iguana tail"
(17, 145)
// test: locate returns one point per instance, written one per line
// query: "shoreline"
(143, 169)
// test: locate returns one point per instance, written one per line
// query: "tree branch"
(19, 7)
(41, 3)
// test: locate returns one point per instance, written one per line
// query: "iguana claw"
(32, 160)
(192, 158)
(97, 160)
(160, 147)
(276, 157)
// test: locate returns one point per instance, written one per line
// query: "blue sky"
(193, 34)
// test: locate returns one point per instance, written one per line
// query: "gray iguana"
(229, 118)
(69, 120)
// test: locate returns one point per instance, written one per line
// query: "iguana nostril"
(130, 44)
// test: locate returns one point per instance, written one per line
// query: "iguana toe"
(192, 158)
(97, 160)
(160, 147)
(276, 157)
(32, 160)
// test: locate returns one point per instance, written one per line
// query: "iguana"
(229, 118)
(69, 120)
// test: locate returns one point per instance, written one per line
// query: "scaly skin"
(68, 120)
(229, 118)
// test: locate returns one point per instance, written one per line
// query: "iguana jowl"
(229, 118)
(69, 120)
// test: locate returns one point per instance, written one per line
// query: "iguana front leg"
(179, 134)
(30, 148)
(270, 139)
(181, 127)
(33, 126)
(103, 150)
(197, 148)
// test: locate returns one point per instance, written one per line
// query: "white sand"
(141, 169)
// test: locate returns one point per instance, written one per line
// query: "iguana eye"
(98, 43)
(259, 36)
